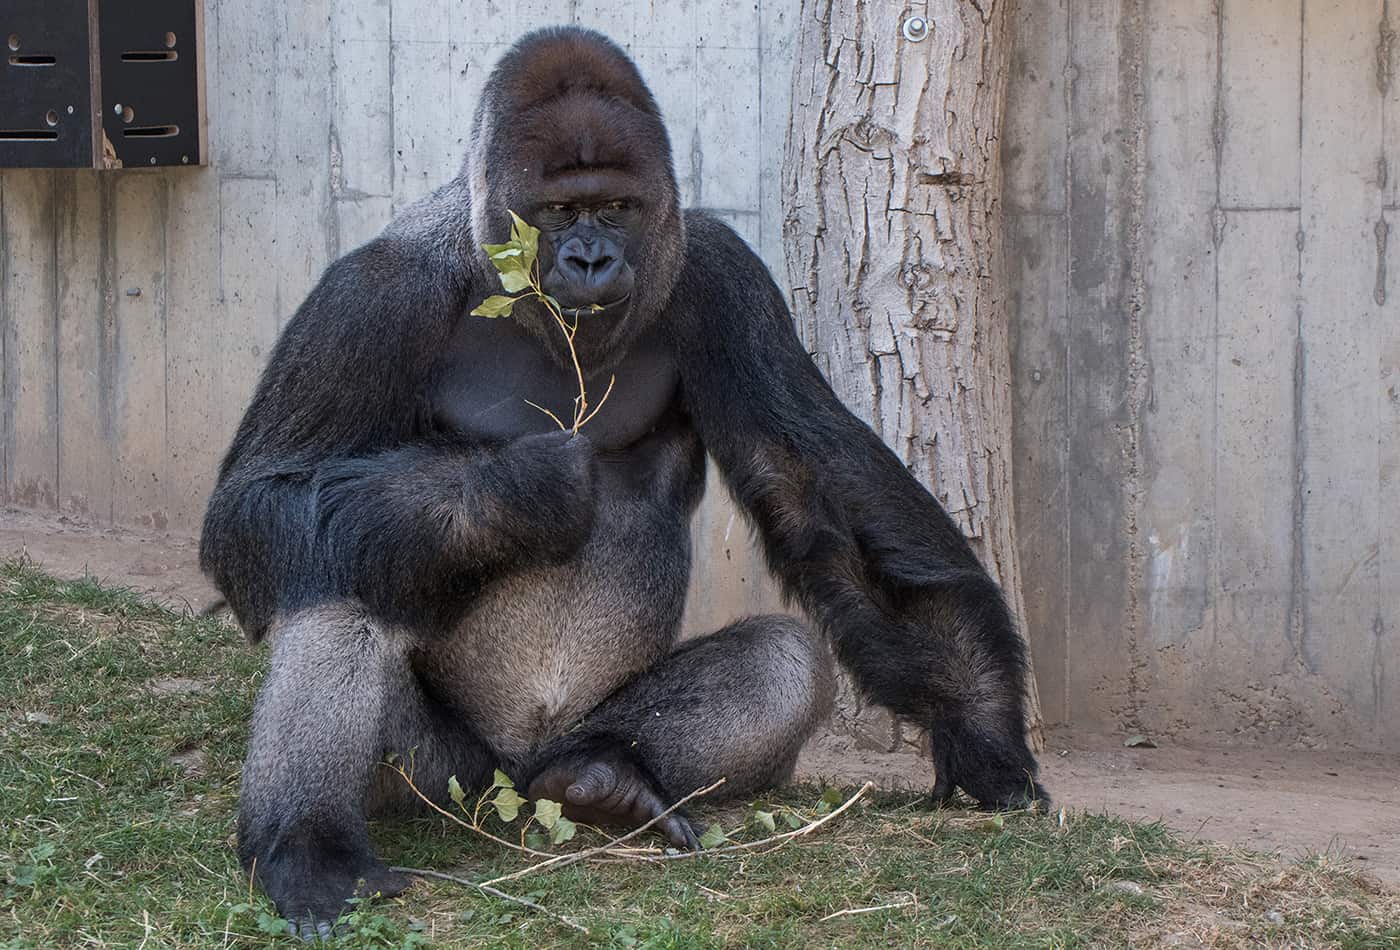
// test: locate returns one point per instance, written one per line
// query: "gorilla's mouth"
(597, 308)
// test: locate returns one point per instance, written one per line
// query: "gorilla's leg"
(737, 704)
(339, 695)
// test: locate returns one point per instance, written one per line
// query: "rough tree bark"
(892, 227)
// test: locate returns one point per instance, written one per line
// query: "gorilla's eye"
(613, 211)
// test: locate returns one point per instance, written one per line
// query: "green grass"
(118, 786)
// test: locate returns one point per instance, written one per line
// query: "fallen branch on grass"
(494, 892)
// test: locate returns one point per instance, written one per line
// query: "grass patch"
(122, 728)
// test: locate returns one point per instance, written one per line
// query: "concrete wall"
(1206, 364)
(1206, 441)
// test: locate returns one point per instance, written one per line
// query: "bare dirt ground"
(1291, 801)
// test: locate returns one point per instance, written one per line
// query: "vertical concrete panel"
(136, 222)
(28, 323)
(1035, 186)
(1258, 117)
(1103, 130)
(1037, 262)
(362, 131)
(1256, 362)
(1341, 203)
(249, 327)
(1034, 142)
(196, 328)
(303, 161)
(426, 152)
(244, 98)
(84, 450)
(1176, 528)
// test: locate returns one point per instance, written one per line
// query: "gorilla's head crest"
(562, 100)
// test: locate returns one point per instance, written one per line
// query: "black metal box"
(102, 83)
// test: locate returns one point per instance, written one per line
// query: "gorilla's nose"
(590, 266)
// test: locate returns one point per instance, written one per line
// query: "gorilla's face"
(568, 137)
(588, 224)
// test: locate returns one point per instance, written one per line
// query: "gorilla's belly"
(541, 648)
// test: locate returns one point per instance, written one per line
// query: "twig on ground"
(776, 841)
(564, 860)
(494, 892)
(869, 910)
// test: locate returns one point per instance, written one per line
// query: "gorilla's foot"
(311, 890)
(610, 792)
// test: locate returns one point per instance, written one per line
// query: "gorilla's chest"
(493, 370)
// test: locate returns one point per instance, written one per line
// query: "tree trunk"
(892, 227)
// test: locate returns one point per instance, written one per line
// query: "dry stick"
(777, 840)
(488, 889)
(868, 910)
(564, 860)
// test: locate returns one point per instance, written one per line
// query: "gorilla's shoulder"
(434, 227)
(712, 246)
(719, 259)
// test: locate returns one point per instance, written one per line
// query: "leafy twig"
(564, 860)
(517, 264)
(465, 824)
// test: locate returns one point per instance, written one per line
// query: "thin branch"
(465, 824)
(776, 840)
(488, 889)
(600, 402)
(868, 910)
(547, 412)
(564, 860)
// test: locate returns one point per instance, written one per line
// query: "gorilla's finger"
(598, 780)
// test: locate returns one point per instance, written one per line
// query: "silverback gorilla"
(439, 569)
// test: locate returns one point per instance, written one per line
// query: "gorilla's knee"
(799, 680)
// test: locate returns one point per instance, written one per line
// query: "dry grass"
(121, 734)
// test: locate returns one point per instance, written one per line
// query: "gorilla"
(442, 572)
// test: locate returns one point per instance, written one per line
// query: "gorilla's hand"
(549, 491)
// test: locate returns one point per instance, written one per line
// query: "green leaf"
(495, 306)
(508, 802)
(501, 780)
(548, 812)
(499, 252)
(514, 281)
(823, 807)
(994, 823)
(765, 818)
(563, 830)
(536, 840)
(832, 797)
(271, 924)
(454, 788)
(713, 837)
(792, 820)
(526, 236)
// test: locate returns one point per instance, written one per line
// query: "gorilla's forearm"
(412, 532)
(848, 531)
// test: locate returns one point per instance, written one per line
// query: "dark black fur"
(439, 572)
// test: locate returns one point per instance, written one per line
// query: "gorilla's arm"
(865, 549)
(333, 488)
